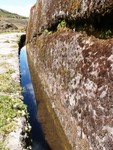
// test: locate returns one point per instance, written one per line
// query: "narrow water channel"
(38, 140)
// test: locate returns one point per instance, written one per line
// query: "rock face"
(46, 13)
(75, 70)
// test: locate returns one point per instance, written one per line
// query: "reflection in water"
(38, 141)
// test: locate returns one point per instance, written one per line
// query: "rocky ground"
(14, 127)
(12, 25)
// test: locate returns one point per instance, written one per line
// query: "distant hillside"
(11, 22)
(6, 14)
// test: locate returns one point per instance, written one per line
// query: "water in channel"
(38, 140)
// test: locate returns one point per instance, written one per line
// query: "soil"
(13, 113)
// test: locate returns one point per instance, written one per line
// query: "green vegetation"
(5, 57)
(7, 85)
(7, 41)
(62, 24)
(4, 64)
(48, 32)
(6, 14)
(11, 104)
(105, 34)
(11, 22)
(14, 46)
(59, 25)
(9, 110)
(98, 30)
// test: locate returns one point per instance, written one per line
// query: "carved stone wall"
(76, 71)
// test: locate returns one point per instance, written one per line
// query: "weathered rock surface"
(75, 70)
(46, 13)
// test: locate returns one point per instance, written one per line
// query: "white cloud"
(29, 88)
(24, 11)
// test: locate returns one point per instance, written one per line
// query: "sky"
(21, 7)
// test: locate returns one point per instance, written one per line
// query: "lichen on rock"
(75, 69)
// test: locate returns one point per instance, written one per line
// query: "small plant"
(48, 32)
(105, 34)
(62, 24)
(4, 64)
(10, 70)
(108, 33)
(10, 55)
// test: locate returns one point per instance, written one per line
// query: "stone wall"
(76, 70)
(46, 13)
